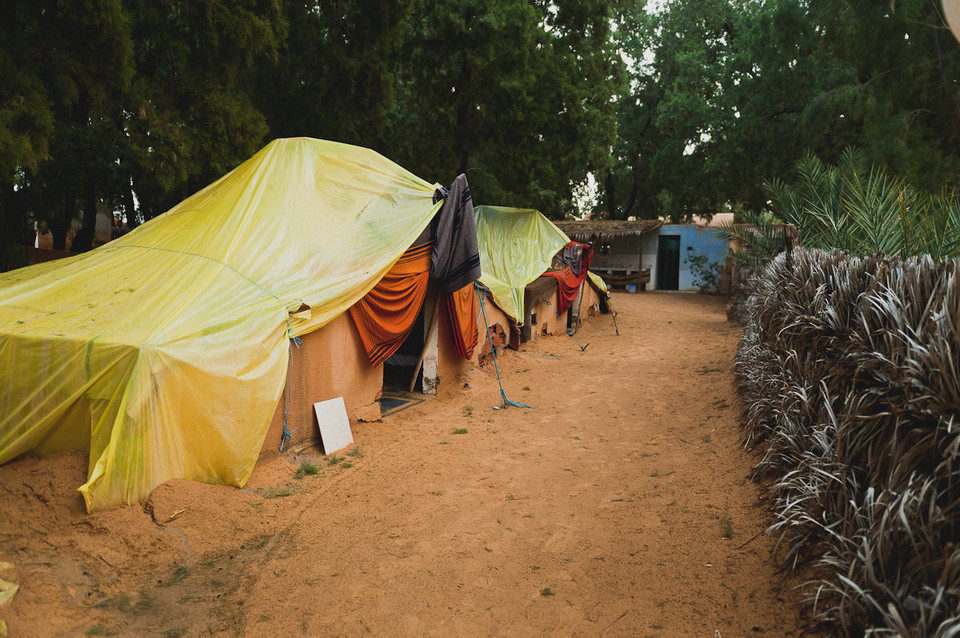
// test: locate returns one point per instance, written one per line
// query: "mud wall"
(329, 363)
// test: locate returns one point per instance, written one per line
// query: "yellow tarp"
(598, 282)
(517, 245)
(164, 352)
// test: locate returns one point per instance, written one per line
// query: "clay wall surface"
(330, 363)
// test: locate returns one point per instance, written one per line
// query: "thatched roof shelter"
(604, 230)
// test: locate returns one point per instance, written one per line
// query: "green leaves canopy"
(685, 109)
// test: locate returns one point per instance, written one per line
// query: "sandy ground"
(618, 506)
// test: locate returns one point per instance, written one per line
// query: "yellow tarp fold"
(516, 246)
(164, 352)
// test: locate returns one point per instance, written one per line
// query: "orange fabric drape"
(386, 314)
(462, 308)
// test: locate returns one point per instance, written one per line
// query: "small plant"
(467, 410)
(726, 526)
(346, 464)
(307, 469)
(546, 591)
(120, 602)
(180, 573)
(356, 452)
(100, 630)
(459, 431)
(334, 459)
(144, 603)
(174, 632)
(526, 388)
(706, 273)
(706, 438)
(273, 492)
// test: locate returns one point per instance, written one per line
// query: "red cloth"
(462, 310)
(385, 316)
(567, 286)
(568, 283)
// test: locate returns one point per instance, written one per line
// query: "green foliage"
(686, 109)
(108, 100)
(714, 107)
(860, 208)
(756, 239)
(706, 273)
(518, 94)
(306, 469)
(728, 94)
(847, 372)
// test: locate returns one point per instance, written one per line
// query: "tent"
(517, 245)
(164, 353)
(522, 264)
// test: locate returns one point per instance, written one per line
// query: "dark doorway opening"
(399, 369)
(668, 262)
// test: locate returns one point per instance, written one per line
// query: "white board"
(334, 424)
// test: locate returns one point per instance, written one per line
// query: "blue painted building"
(647, 253)
(667, 254)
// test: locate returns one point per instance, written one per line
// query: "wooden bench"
(638, 278)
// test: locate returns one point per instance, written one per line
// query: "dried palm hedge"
(849, 374)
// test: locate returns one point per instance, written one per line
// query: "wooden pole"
(434, 323)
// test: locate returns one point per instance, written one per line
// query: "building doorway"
(668, 262)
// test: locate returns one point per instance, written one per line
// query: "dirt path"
(618, 506)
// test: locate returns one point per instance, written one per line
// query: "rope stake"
(504, 401)
(287, 433)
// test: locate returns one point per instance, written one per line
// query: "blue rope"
(504, 401)
(570, 331)
(288, 434)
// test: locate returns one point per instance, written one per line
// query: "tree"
(894, 83)
(515, 93)
(79, 60)
(718, 89)
(335, 76)
(111, 100)
(727, 94)
(190, 116)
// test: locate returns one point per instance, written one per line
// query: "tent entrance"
(413, 368)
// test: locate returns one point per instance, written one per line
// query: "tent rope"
(570, 331)
(504, 401)
(287, 433)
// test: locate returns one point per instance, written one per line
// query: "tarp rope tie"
(293, 338)
(570, 331)
(504, 401)
(287, 434)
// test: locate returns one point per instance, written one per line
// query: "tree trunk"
(59, 225)
(131, 211)
(84, 239)
(464, 116)
(608, 193)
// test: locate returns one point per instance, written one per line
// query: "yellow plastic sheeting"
(164, 352)
(516, 246)
(598, 282)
